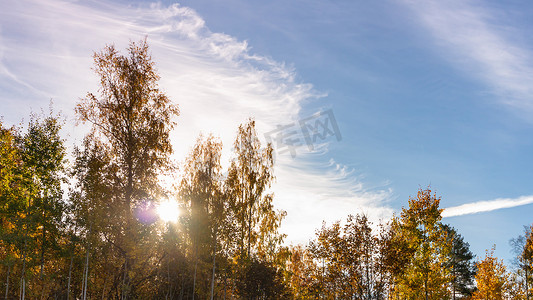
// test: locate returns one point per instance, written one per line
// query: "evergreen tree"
(461, 265)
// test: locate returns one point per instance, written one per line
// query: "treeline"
(413, 256)
(89, 228)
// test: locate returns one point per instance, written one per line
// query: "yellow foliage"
(493, 281)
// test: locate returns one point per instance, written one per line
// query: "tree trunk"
(225, 283)
(194, 277)
(182, 287)
(103, 288)
(426, 286)
(86, 274)
(23, 288)
(527, 285)
(42, 250)
(169, 280)
(123, 293)
(69, 275)
(214, 261)
(453, 278)
(23, 276)
(7, 280)
(249, 228)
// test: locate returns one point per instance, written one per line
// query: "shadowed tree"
(251, 214)
(522, 247)
(201, 191)
(94, 205)
(261, 280)
(527, 256)
(249, 177)
(461, 265)
(132, 119)
(304, 273)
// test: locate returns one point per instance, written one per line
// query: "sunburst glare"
(168, 211)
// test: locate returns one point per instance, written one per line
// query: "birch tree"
(249, 177)
(201, 190)
(133, 119)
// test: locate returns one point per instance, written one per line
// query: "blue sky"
(434, 92)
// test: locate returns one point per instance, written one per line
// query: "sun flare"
(168, 211)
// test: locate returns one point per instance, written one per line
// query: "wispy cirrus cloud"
(473, 37)
(216, 79)
(476, 40)
(313, 192)
(485, 206)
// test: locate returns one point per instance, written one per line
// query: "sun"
(168, 211)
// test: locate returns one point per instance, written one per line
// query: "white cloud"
(214, 77)
(312, 193)
(484, 206)
(475, 39)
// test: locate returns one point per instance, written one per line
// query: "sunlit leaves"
(492, 279)
(32, 209)
(422, 241)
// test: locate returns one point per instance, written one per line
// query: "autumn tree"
(327, 252)
(131, 119)
(527, 257)
(260, 280)
(350, 261)
(304, 273)
(425, 275)
(522, 247)
(252, 216)
(173, 278)
(249, 177)
(397, 254)
(14, 204)
(201, 190)
(94, 206)
(366, 257)
(33, 169)
(43, 152)
(492, 279)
